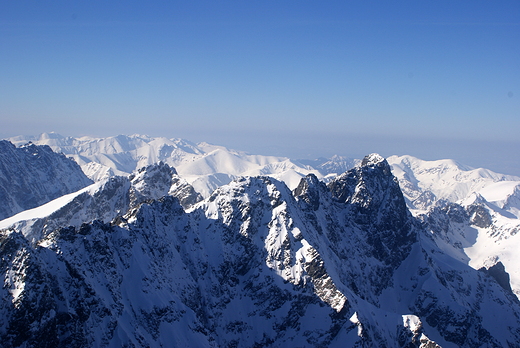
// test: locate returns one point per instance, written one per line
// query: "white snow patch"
(412, 322)
(354, 320)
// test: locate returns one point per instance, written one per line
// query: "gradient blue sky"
(434, 79)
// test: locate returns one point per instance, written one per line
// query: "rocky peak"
(309, 190)
(372, 160)
(252, 267)
(112, 198)
(373, 191)
(158, 180)
(151, 182)
(376, 202)
(367, 183)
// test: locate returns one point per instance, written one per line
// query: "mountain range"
(194, 245)
(204, 166)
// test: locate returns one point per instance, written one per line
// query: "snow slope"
(48, 208)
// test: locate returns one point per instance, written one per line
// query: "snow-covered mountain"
(473, 214)
(141, 260)
(204, 166)
(253, 265)
(32, 175)
(425, 182)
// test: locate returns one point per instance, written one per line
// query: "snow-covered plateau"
(176, 244)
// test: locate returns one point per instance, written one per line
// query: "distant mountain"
(473, 214)
(32, 175)
(329, 168)
(204, 166)
(207, 167)
(425, 182)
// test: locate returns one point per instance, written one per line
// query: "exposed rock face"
(498, 272)
(309, 191)
(253, 265)
(33, 175)
(479, 216)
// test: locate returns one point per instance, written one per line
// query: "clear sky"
(434, 79)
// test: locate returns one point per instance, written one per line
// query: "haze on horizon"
(301, 79)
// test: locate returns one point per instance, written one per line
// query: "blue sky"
(434, 79)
